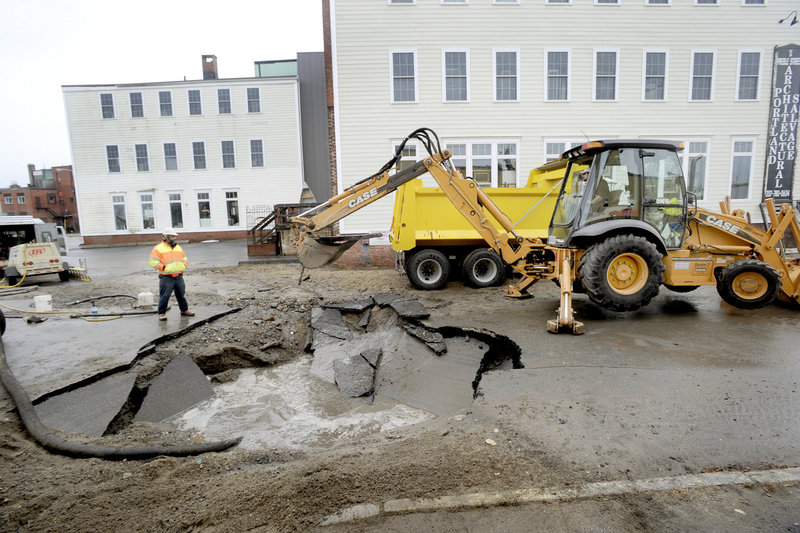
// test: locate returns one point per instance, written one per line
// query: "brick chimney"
(210, 68)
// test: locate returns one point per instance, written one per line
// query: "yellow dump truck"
(435, 240)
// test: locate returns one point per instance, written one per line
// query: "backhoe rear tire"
(622, 272)
(484, 268)
(749, 284)
(428, 270)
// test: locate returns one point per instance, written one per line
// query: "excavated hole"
(272, 388)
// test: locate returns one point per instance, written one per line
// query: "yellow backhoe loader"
(623, 225)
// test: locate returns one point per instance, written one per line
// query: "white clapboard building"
(193, 155)
(509, 84)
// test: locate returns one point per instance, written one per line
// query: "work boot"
(187, 313)
(162, 317)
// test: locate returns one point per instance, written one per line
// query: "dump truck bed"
(424, 217)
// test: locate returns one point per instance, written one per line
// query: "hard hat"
(169, 232)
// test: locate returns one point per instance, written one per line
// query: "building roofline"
(185, 82)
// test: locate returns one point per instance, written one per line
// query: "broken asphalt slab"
(179, 386)
(355, 376)
(90, 409)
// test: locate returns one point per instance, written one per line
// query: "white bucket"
(145, 298)
(43, 302)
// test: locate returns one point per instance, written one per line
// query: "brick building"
(49, 195)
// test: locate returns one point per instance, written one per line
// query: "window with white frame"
(454, 2)
(175, 209)
(606, 69)
(506, 1)
(137, 105)
(142, 158)
(199, 155)
(606, 2)
(553, 148)
(228, 155)
(749, 68)
(506, 75)
(489, 163)
(407, 157)
(657, 2)
(204, 208)
(224, 101)
(557, 74)
(456, 75)
(195, 106)
(165, 103)
(404, 76)
(8, 199)
(107, 105)
(21, 199)
(401, 2)
(232, 207)
(256, 153)
(253, 100)
(554, 2)
(655, 75)
(170, 156)
(702, 76)
(118, 210)
(754, 2)
(148, 212)
(695, 161)
(112, 157)
(706, 2)
(741, 168)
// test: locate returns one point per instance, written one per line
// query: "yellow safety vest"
(167, 260)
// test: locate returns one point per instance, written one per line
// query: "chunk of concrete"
(90, 409)
(409, 308)
(355, 377)
(179, 386)
(358, 306)
(337, 350)
(330, 322)
(364, 320)
(372, 356)
(433, 339)
(382, 299)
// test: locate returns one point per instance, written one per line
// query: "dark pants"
(168, 284)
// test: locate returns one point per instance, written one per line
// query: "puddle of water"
(286, 406)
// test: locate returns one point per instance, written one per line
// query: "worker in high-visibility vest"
(169, 259)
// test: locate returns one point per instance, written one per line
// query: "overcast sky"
(45, 44)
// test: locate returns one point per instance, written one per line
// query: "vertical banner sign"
(783, 119)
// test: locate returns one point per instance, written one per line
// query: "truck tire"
(63, 275)
(12, 280)
(749, 284)
(2, 323)
(428, 270)
(622, 272)
(484, 268)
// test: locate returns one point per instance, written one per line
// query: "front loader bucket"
(316, 252)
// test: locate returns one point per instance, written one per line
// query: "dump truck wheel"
(622, 273)
(428, 270)
(484, 268)
(681, 288)
(749, 284)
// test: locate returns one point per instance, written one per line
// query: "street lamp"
(794, 18)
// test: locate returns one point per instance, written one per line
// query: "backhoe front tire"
(749, 284)
(622, 272)
(484, 268)
(428, 270)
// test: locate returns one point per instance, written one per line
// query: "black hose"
(101, 297)
(54, 443)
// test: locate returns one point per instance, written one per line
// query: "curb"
(551, 495)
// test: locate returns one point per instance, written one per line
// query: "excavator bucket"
(316, 252)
